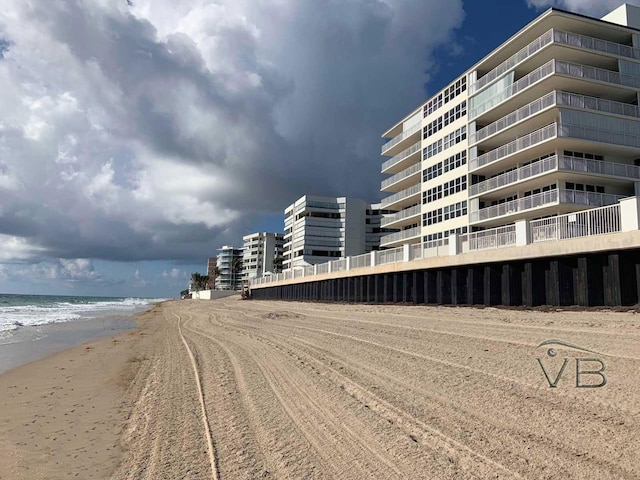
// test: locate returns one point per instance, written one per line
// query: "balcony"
(399, 178)
(388, 148)
(573, 70)
(555, 98)
(399, 159)
(544, 199)
(403, 197)
(514, 176)
(399, 236)
(562, 38)
(388, 220)
(522, 143)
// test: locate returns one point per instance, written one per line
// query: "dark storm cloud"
(157, 131)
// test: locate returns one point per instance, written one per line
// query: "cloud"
(158, 130)
(594, 8)
(174, 273)
(68, 271)
(138, 280)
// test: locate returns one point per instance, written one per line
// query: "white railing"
(554, 67)
(398, 138)
(550, 36)
(536, 168)
(394, 217)
(545, 39)
(522, 143)
(545, 198)
(396, 197)
(596, 135)
(339, 265)
(598, 221)
(398, 236)
(592, 43)
(551, 99)
(494, 238)
(598, 166)
(401, 156)
(360, 261)
(393, 255)
(407, 172)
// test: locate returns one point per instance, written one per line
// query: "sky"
(138, 136)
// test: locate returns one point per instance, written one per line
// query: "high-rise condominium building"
(546, 124)
(230, 266)
(318, 229)
(212, 262)
(263, 253)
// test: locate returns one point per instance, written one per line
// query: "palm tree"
(196, 280)
(236, 265)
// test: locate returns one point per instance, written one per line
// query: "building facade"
(320, 228)
(230, 266)
(546, 124)
(262, 254)
(212, 263)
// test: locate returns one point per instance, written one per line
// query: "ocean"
(18, 311)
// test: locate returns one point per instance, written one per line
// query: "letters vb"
(586, 372)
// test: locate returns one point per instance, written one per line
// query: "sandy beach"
(234, 389)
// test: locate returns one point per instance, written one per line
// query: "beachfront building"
(262, 254)
(230, 266)
(318, 229)
(546, 124)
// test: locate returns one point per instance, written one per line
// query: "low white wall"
(212, 294)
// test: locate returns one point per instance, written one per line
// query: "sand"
(232, 389)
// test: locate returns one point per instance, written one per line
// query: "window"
(455, 186)
(432, 194)
(455, 137)
(455, 113)
(432, 127)
(432, 217)
(432, 150)
(432, 105)
(455, 161)
(456, 210)
(432, 172)
(455, 89)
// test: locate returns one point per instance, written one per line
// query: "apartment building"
(262, 253)
(212, 263)
(546, 124)
(318, 229)
(230, 266)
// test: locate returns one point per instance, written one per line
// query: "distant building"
(212, 262)
(229, 263)
(262, 254)
(318, 229)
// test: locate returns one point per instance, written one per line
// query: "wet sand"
(244, 390)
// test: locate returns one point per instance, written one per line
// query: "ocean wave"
(40, 312)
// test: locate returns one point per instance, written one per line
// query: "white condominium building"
(230, 265)
(263, 253)
(318, 229)
(546, 124)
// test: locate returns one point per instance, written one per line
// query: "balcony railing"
(398, 138)
(394, 217)
(392, 255)
(407, 172)
(398, 236)
(522, 143)
(401, 156)
(548, 164)
(494, 238)
(554, 67)
(559, 36)
(542, 199)
(555, 98)
(407, 192)
(598, 221)
(541, 166)
(597, 135)
(360, 261)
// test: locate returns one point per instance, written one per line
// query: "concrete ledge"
(573, 246)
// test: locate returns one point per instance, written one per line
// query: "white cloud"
(174, 273)
(154, 132)
(595, 8)
(66, 271)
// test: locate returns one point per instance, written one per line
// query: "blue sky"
(138, 139)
